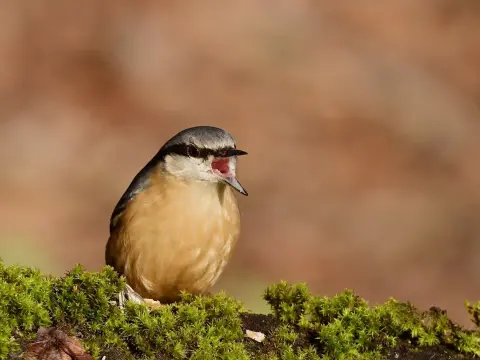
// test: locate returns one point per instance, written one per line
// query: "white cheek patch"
(188, 168)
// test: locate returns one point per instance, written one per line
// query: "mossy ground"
(301, 326)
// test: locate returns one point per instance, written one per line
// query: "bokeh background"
(361, 120)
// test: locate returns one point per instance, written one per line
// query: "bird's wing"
(139, 183)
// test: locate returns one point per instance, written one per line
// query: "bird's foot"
(131, 295)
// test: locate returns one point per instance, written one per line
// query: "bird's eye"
(193, 151)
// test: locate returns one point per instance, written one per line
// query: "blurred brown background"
(361, 120)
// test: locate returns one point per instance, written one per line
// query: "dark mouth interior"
(221, 165)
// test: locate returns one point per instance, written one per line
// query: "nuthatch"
(177, 223)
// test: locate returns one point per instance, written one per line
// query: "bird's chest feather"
(179, 237)
(184, 226)
(194, 211)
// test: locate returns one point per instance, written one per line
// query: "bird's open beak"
(233, 182)
(223, 168)
(236, 152)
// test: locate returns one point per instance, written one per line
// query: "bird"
(175, 226)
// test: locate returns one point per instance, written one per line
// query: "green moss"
(24, 305)
(345, 326)
(302, 326)
(474, 311)
(195, 328)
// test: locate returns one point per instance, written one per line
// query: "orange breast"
(176, 236)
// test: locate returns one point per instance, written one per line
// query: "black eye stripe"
(192, 151)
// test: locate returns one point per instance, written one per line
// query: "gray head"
(203, 153)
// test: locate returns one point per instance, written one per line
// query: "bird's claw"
(131, 295)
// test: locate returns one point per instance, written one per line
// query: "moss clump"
(302, 326)
(24, 305)
(84, 302)
(474, 310)
(345, 327)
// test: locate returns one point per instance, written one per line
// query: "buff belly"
(168, 244)
(195, 270)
